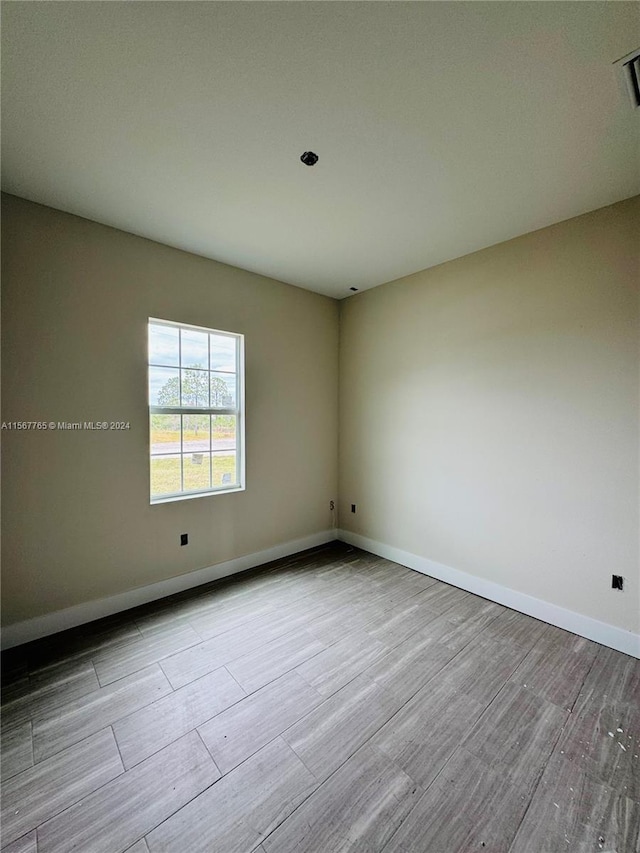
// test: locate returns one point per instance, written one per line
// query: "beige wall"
(489, 414)
(77, 524)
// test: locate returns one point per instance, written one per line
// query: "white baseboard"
(584, 626)
(51, 623)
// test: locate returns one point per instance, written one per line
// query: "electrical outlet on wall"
(617, 582)
(184, 539)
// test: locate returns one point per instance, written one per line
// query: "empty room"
(320, 427)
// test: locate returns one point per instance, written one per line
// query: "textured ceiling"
(441, 128)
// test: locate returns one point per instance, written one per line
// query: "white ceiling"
(441, 127)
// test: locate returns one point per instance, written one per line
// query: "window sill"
(188, 497)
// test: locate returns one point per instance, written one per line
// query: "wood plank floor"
(332, 702)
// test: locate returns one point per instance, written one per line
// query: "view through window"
(195, 411)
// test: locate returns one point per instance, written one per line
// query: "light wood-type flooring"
(332, 702)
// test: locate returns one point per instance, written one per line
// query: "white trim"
(601, 632)
(51, 623)
(585, 626)
(238, 411)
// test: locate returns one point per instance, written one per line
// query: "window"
(196, 418)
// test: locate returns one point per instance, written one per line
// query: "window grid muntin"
(238, 450)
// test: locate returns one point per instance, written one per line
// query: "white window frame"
(237, 410)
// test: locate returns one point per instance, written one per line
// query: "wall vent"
(629, 70)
